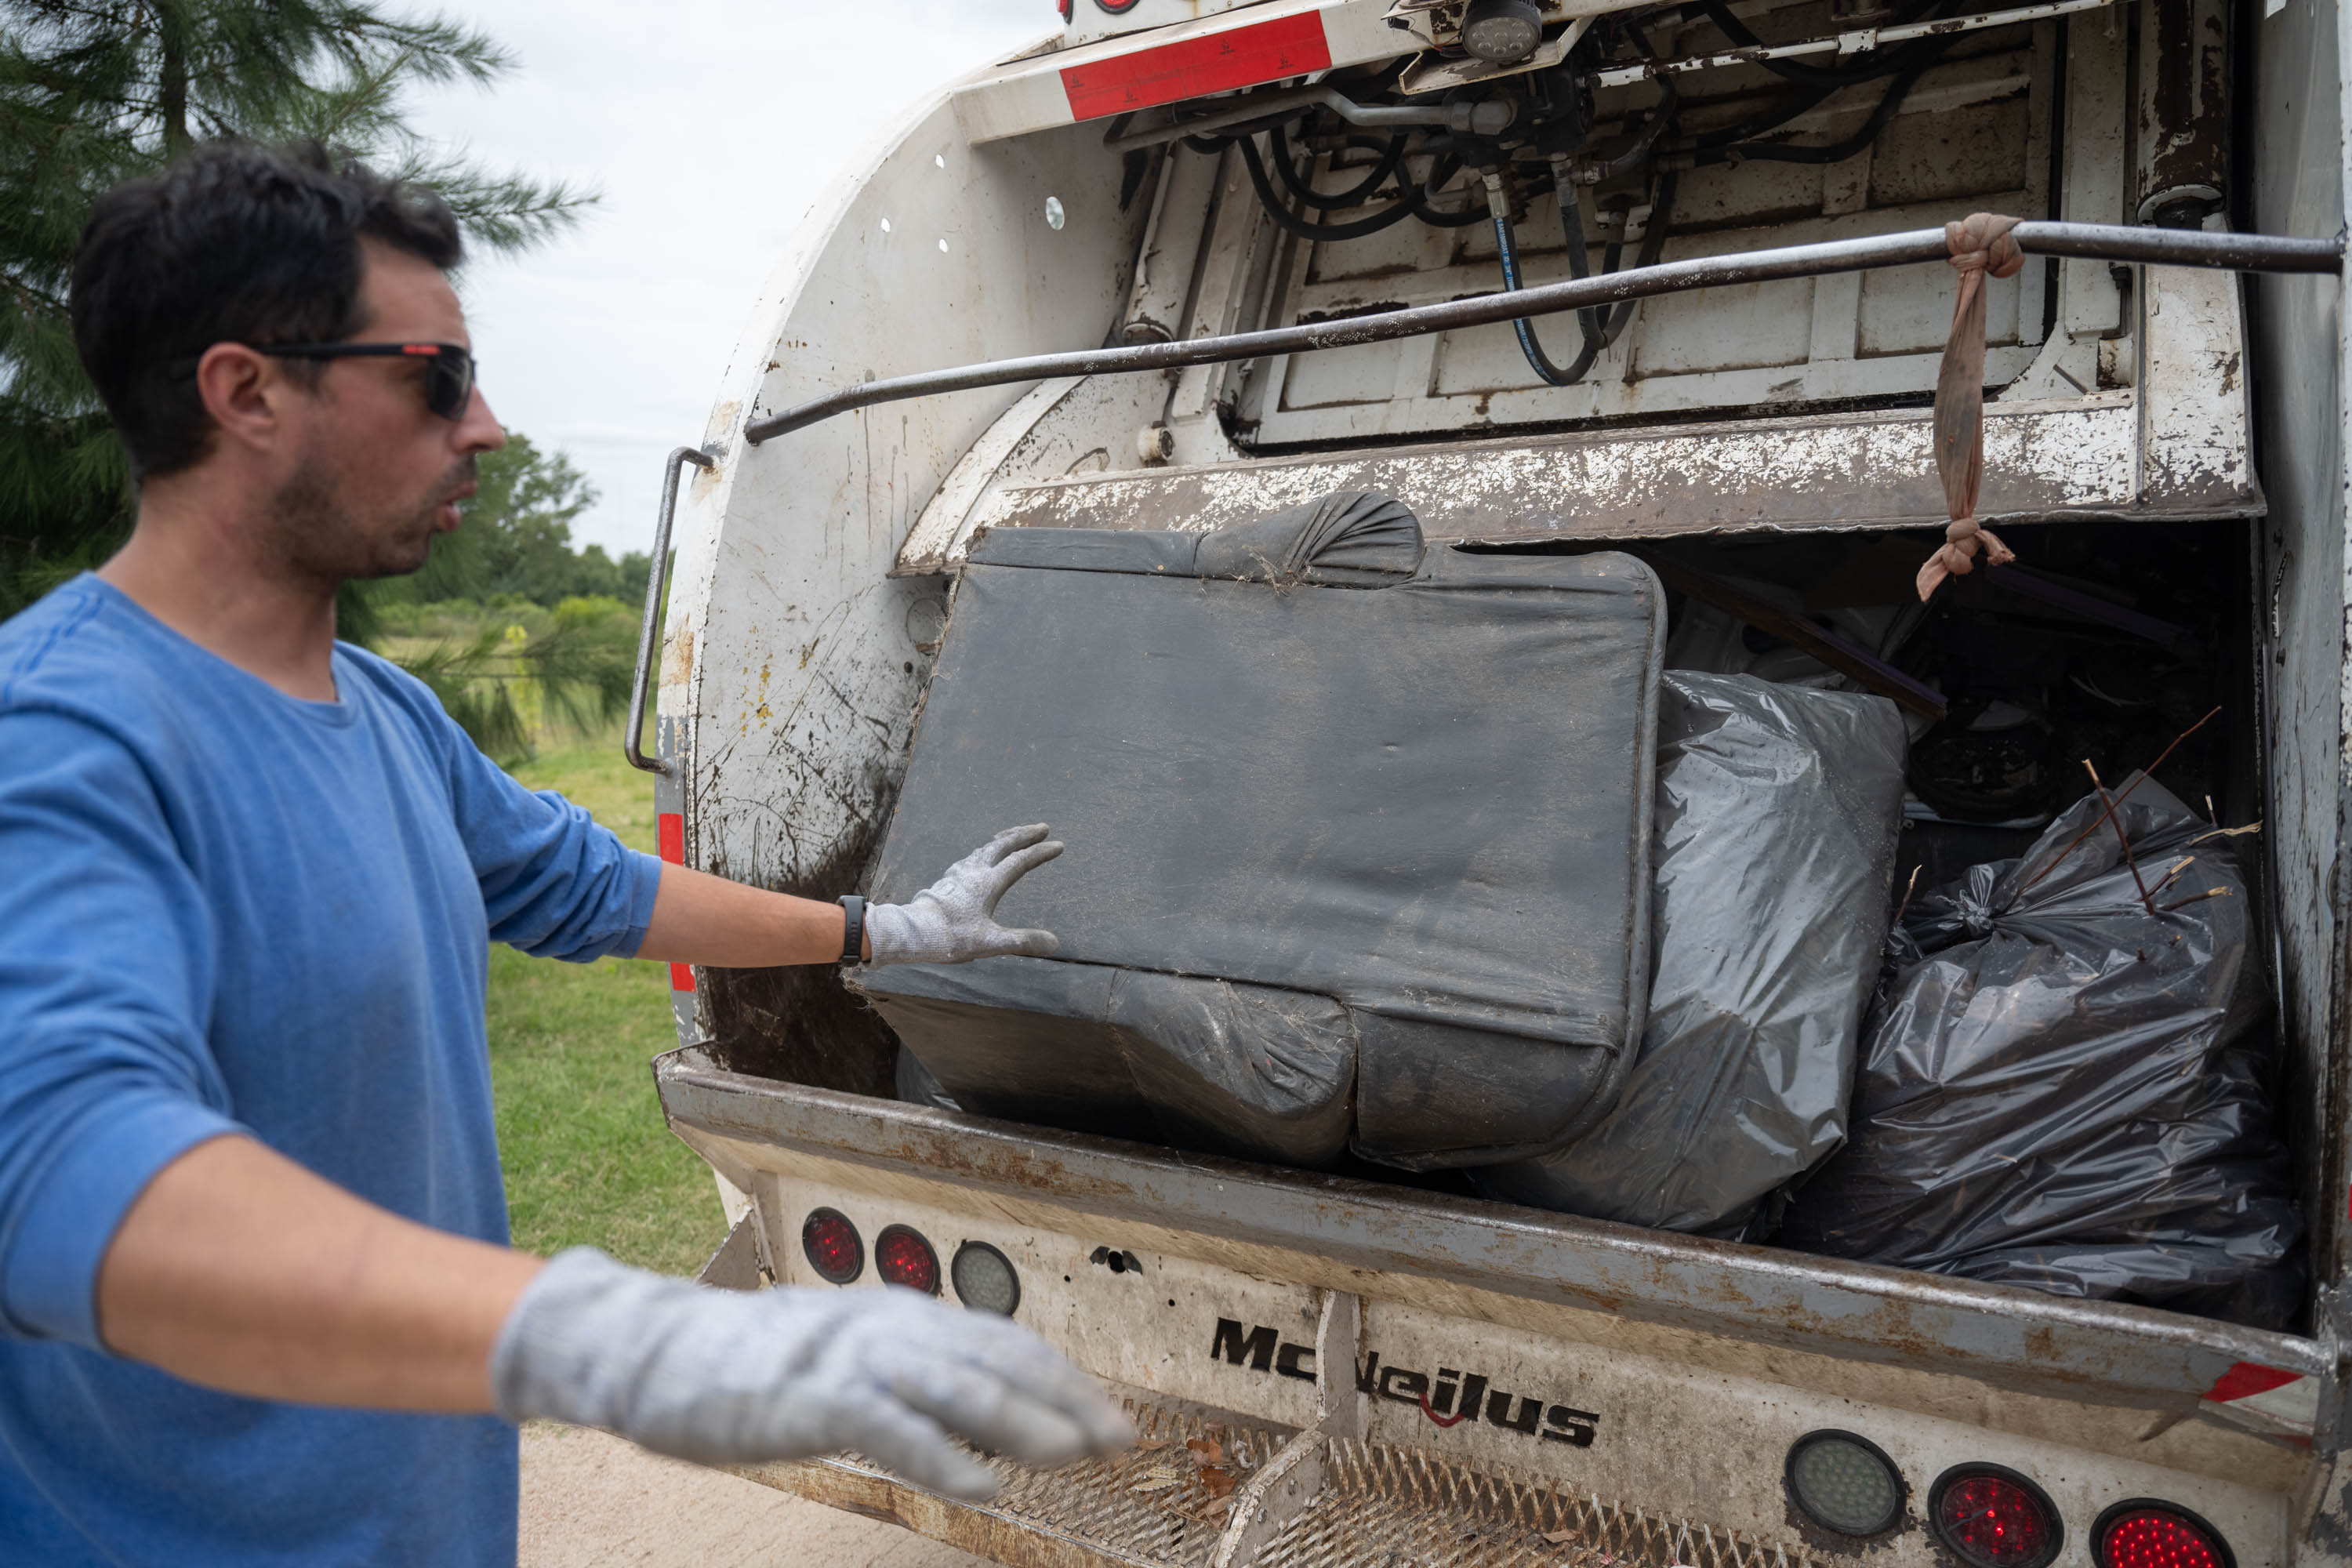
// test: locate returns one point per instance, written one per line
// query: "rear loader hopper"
(1651, 297)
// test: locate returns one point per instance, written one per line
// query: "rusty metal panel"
(2042, 463)
(2008, 1338)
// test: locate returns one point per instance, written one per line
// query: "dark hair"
(235, 242)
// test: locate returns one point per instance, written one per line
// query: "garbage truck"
(1619, 339)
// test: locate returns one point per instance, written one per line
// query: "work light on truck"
(2147, 1534)
(985, 1279)
(1994, 1518)
(833, 1247)
(903, 1258)
(1845, 1483)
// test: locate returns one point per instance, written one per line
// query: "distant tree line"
(516, 543)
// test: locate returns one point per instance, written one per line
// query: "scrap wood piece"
(1845, 657)
(1979, 244)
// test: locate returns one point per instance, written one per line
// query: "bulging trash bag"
(1774, 840)
(2060, 1084)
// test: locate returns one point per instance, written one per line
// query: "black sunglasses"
(448, 369)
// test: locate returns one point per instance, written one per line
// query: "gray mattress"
(1358, 835)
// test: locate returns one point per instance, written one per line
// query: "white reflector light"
(1845, 1483)
(985, 1279)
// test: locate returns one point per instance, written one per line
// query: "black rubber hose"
(1886, 62)
(1653, 240)
(1395, 213)
(1441, 169)
(1340, 201)
(1781, 110)
(1634, 157)
(1579, 265)
(1834, 152)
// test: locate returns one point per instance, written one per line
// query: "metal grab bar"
(2100, 242)
(656, 580)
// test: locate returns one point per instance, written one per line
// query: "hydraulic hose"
(1278, 144)
(1884, 62)
(1834, 152)
(1654, 239)
(1396, 212)
(1781, 110)
(1443, 168)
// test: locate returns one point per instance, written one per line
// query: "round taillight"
(985, 1279)
(1846, 1483)
(831, 1246)
(2144, 1534)
(903, 1258)
(1994, 1518)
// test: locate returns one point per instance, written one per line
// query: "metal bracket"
(1275, 1496)
(737, 1265)
(1339, 1349)
(656, 581)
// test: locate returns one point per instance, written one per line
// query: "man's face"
(372, 474)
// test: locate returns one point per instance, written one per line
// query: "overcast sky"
(710, 126)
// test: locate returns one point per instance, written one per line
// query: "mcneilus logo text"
(1452, 1399)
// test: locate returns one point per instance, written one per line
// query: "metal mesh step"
(1158, 1504)
(1162, 1504)
(1400, 1507)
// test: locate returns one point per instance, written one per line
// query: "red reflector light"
(1995, 1517)
(2147, 1534)
(833, 1245)
(903, 1258)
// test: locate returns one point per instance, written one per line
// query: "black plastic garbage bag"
(2061, 1084)
(1778, 815)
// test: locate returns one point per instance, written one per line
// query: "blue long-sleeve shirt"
(227, 911)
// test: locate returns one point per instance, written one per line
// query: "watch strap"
(853, 931)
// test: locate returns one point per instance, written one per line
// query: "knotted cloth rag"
(1979, 244)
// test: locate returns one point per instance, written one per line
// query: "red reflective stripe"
(2247, 1378)
(432, 349)
(669, 829)
(1240, 57)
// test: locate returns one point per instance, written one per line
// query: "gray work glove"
(953, 921)
(739, 1377)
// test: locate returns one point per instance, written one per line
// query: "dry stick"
(2147, 771)
(1908, 888)
(2169, 877)
(2193, 898)
(2121, 837)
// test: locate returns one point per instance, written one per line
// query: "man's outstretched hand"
(953, 921)
(737, 1377)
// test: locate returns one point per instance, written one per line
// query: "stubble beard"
(325, 538)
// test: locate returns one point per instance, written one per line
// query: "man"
(256, 1303)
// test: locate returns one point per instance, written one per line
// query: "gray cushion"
(1307, 756)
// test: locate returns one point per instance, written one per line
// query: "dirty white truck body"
(1650, 1385)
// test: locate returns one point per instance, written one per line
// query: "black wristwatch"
(853, 931)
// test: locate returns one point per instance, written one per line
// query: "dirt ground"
(592, 1500)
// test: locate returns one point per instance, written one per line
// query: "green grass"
(587, 1158)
